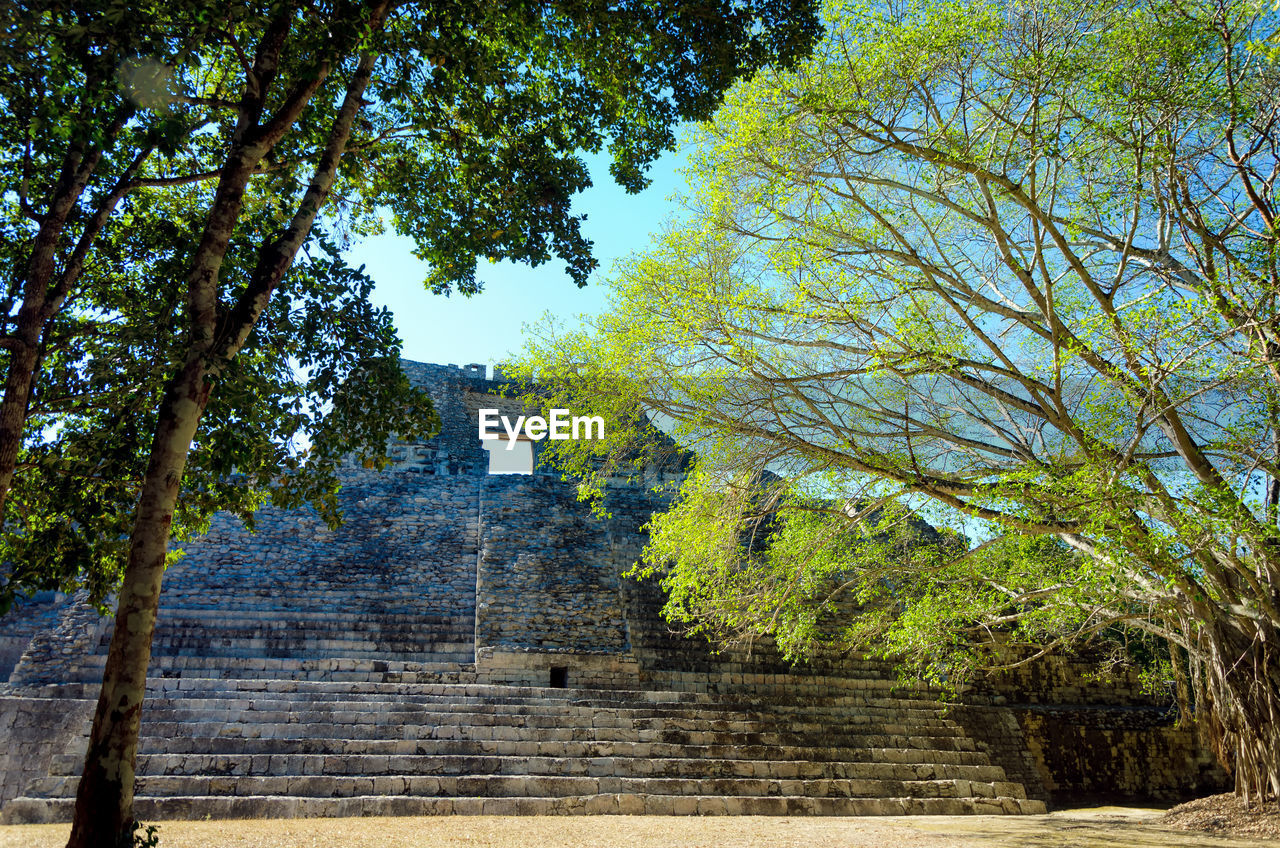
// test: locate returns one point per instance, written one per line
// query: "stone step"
(285, 626)
(480, 733)
(317, 602)
(646, 728)
(317, 643)
(544, 728)
(216, 652)
(429, 764)
(783, 687)
(307, 637)
(797, 687)
(278, 627)
(228, 658)
(276, 619)
(682, 654)
(576, 701)
(321, 614)
(907, 749)
(452, 682)
(513, 694)
(241, 748)
(299, 636)
(537, 715)
(523, 786)
(359, 669)
(601, 713)
(287, 670)
(213, 650)
(37, 810)
(311, 632)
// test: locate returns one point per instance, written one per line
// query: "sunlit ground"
(1111, 827)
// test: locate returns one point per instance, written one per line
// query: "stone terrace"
(464, 643)
(278, 748)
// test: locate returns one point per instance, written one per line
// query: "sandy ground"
(1107, 827)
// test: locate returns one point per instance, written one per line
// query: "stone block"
(601, 805)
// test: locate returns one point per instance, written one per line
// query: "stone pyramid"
(465, 643)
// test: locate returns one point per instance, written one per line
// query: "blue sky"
(486, 327)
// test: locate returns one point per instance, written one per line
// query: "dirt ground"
(1105, 827)
(1225, 815)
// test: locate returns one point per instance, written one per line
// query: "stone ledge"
(41, 811)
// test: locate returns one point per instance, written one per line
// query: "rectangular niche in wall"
(559, 677)
(518, 460)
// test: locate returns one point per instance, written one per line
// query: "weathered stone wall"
(526, 667)
(997, 733)
(1094, 754)
(546, 578)
(455, 449)
(35, 730)
(58, 655)
(1059, 679)
(25, 621)
(1098, 753)
(1074, 730)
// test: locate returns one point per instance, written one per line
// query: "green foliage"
(318, 381)
(467, 140)
(143, 836)
(483, 158)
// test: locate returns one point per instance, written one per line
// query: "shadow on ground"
(1101, 827)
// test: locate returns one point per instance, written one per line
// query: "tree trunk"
(78, 166)
(104, 800)
(23, 357)
(1243, 681)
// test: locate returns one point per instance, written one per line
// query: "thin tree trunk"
(24, 353)
(24, 342)
(42, 299)
(104, 799)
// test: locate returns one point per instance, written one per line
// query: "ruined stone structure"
(465, 643)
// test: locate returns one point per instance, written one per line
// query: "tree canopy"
(163, 165)
(122, 120)
(1013, 266)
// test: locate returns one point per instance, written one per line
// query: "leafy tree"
(273, 430)
(243, 122)
(93, 404)
(86, 110)
(1015, 264)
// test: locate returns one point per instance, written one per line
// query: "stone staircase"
(335, 706)
(359, 698)
(464, 644)
(224, 748)
(255, 642)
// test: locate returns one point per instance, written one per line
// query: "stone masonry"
(466, 643)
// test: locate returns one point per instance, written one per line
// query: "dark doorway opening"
(559, 677)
